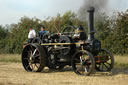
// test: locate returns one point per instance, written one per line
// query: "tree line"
(111, 31)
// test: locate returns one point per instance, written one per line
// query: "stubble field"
(12, 73)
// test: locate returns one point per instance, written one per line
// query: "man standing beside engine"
(31, 34)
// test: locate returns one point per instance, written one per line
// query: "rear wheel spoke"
(37, 55)
(27, 66)
(31, 66)
(36, 66)
(32, 48)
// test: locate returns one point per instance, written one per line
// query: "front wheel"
(104, 61)
(83, 63)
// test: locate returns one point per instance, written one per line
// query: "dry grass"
(10, 58)
(121, 61)
(14, 74)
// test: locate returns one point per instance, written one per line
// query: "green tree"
(19, 32)
(3, 38)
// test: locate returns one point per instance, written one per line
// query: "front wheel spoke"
(102, 66)
(76, 59)
(82, 69)
(109, 57)
(85, 69)
(108, 63)
(98, 65)
(79, 69)
(105, 66)
(81, 60)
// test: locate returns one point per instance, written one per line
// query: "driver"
(80, 35)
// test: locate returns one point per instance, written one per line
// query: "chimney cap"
(91, 9)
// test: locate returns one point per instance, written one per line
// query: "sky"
(12, 10)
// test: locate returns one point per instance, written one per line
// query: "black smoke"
(99, 5)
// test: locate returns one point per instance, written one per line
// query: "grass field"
(12, 73)
(10, 58)
(120, 61)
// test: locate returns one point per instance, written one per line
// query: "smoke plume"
(99, 5)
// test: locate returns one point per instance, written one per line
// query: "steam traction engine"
(58, 50)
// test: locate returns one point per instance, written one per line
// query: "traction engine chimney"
(91, 31)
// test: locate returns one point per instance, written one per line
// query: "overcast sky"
(12, 10)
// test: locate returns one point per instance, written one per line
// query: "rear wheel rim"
(31, 59)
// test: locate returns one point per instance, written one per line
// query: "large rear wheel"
(33, 58)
